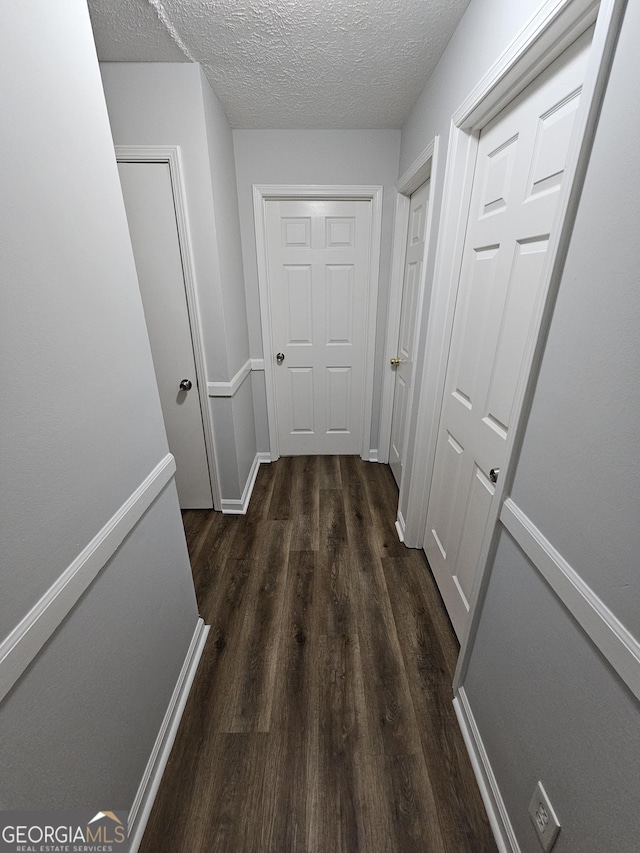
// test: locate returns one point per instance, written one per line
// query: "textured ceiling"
(290, 63)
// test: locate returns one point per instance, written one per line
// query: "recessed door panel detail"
(340, 232)
(318, 275)
(416, 224)
(301, 398)
(407, 318)
(338, 399)
(398, 420)
(520, 163)
(339, 289)
(299, 306)
(497, 176)
(482, 273)
(517, 304)
(479, 496)
(296, 233)
(449, 471)
(552, 143)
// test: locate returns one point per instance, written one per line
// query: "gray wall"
(81, 430)
(547, 703)
(314, 157)
(172, 104)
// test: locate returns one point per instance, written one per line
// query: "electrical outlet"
(544, 818)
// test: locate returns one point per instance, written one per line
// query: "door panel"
(151, 216)
(415, 252)
(519, 169)
(318, 259)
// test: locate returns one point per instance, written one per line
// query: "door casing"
(261, 195)
(422, 169)
(170, 154)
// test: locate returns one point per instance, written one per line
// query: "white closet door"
(148, 198)
(318, 264)
(519, 170)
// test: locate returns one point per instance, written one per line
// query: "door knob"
(394, 362)
(186, 385)
(280, 357)
(493, 475)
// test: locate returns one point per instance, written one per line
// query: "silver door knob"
(394, 362)
(280, 357)
(186, 385)
(493, 475)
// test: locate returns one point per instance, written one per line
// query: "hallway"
(320, 720)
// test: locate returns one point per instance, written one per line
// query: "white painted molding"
(148, 788)
(373, 455)
(501, 827)
(262, 193)
(239, 507)
(257, 364)
(400, 526)
(419, 171)
(605, 630)
(542, 39)
(27, 639)
(228, 389)
(171, 155)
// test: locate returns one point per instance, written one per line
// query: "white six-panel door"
(519, 171)
(414, 258)
(318, 272)
(151, 216)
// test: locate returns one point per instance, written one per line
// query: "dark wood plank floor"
(320, 720)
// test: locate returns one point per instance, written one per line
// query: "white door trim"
(263, 193)
(419, 171)
(170, 154)
(609, 15)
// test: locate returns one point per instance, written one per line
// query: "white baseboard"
(491, 796)
(233, 506)
(148, 789)
(373, 454)
(400, 526)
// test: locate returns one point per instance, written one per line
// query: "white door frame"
(170, 154)
(418, 172)
(261, 195)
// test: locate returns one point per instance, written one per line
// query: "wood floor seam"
(321, 716)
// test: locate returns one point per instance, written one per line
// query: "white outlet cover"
(544, 818)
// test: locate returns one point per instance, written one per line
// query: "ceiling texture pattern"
(290, 63)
